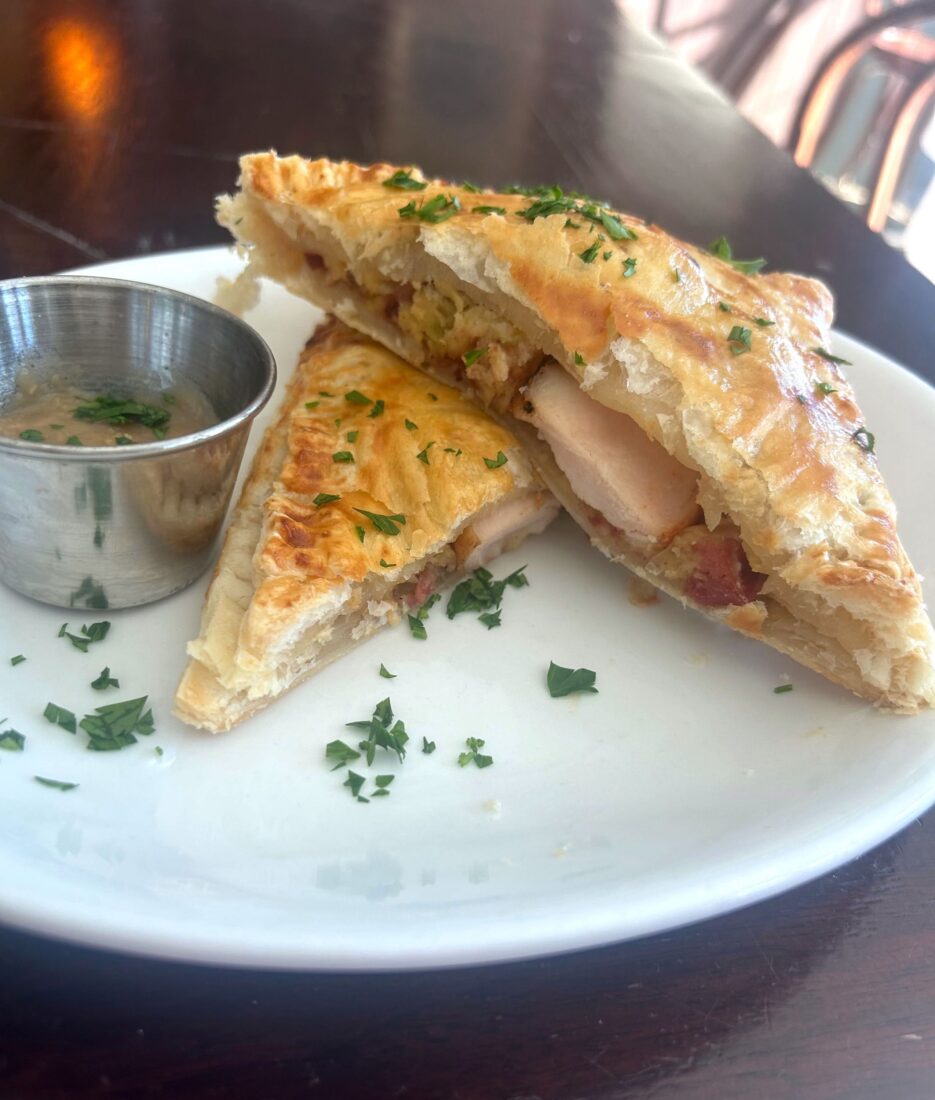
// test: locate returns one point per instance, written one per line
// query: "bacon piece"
(722, 576)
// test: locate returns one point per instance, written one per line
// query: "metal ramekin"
(110, 527)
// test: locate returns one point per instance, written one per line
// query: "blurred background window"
(848, 86)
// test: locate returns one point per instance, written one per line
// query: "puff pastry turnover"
(681, 406)
(340, 527)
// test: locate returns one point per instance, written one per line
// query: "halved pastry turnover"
(368, 493)
(681, 406)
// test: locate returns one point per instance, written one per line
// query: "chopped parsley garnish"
(59, 716)
(607, 255)
(824, 388)
(739, 340)
(387, 564)
(801, 398)
(32, 435)
(340, 754)
(466, 185)
(474, 755)
(325, 498)
(589, 255)
(763, 322)
(615, 228)
(401, 180)
(453, 451)
(57, 427)
(357, 398)
(312, 404)
(433, 397)
(114, 726)
(94, 632)
(324, 393)
(490, 619)
(864, 439)
(480, 592)
(629, 267)
(342, 456)
(495, 463)
(565, 681)
(382, 732)
(579, 359)
(417, 628)
(423, 455)
(74, 441)
(569, 224)
(377, 410)
(355, 782)
(360, 533)
(104, 681)
(55, 784)
(832, 358)
(351, 437)
(428, 747)
(118, 410)
(386, 674)
(410, 426)
(676, 275)
(122, 440)
(386, 524)
(782, 689)
(382, 783)
(470, 357)
(723, 307)
(17, 660)
(12, 741)
(722, 249)
(438, 209)
(489, 210)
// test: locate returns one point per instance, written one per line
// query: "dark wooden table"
(119, 121)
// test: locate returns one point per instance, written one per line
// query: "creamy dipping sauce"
(42, 411)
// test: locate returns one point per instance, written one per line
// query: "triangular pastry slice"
(683, 408)
(368, 493)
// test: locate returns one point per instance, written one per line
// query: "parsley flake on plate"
(17, 660)
(386, 674)
(339, 753)
(566, 681)
(104, 681)
(382, 732)
(428, 747)
(12, 741)
(55, 784)
(59, 716)
(474, 755)
(782, 689)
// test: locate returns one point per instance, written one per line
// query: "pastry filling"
(635, 493)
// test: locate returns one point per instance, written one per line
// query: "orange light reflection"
(82, 62)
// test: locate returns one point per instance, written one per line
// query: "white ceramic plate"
(684, 789)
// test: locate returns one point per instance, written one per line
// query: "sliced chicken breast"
(610, 462)
(504, 526)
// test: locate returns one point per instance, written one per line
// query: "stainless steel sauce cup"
(110, 527)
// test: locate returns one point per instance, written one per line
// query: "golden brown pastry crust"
(290, 565)
(774, 453)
